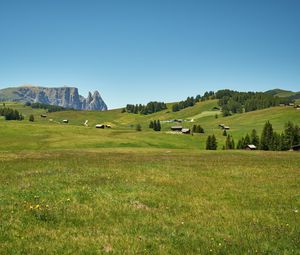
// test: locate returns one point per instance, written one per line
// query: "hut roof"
(251, 146)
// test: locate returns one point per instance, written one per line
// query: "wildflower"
(37, 207)
(295, 211)
(31, 207)
(68, 199)
(220, 244)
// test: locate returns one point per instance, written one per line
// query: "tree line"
(155, 125)
(269, 139)
(150, 108)
(191, 101)
(11, 114)
(48, 107)
(237, 102)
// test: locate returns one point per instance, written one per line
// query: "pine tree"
(154, 125)
(224, 132)
(151, 125)
(138, 127)
(31, 118)
(208, 143)
(266, 137)
(158, 126)
(214, 144)
(247, 140)
(194, 129)
(254, 138)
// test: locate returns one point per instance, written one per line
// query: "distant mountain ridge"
(67, 97)
(284, 93)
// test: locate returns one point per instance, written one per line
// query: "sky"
(136, 51)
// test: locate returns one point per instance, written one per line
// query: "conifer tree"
(31, 118)
(158, 126)
(266, 137)
(254, 138)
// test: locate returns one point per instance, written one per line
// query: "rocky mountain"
(67, 97)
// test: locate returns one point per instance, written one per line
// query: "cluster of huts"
(176, 121)
(181, 129)
(103, 126)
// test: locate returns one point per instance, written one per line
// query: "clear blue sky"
(134, 51)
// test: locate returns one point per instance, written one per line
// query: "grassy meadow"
(71, 189)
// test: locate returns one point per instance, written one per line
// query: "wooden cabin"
(176, 128)
(250, 147)
(186, 131)
(43, 116)
(295, 147)
(65, 121)
(100, 126)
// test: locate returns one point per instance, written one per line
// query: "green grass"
(149, 202)
(70, 189)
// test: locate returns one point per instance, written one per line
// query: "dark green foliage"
(237, 102)
(224, 132)
(197, 129)
(254, 138)
(50, 108)
(31, 118)
(211, 143)
(123, 110)
(138, 127)
(151, 107)
(266, 137)
(271, 140)
(10, 114)
(191, 101)
(229, 143)
(155, 125)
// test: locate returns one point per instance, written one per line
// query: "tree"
(266, 137)
(154, 125)
(211, 143)
(158, 128)
(151, 125)
(138, 127)
(123, 110)
(254, 138)
(224, 132)
(229, 143)
(31, 118)
(208, 143)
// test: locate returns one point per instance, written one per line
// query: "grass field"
(70, 189)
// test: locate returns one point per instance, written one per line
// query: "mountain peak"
(67, 97)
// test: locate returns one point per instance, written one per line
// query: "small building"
(100, 126)
(65, 121)
(176, 128)
(226, 127)
(291, 104)
(295, 147)
(108, 126)
(177, 120)
(43, 116)
(186, 131)
(251, 147)
(221, 125)
(281, 104)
